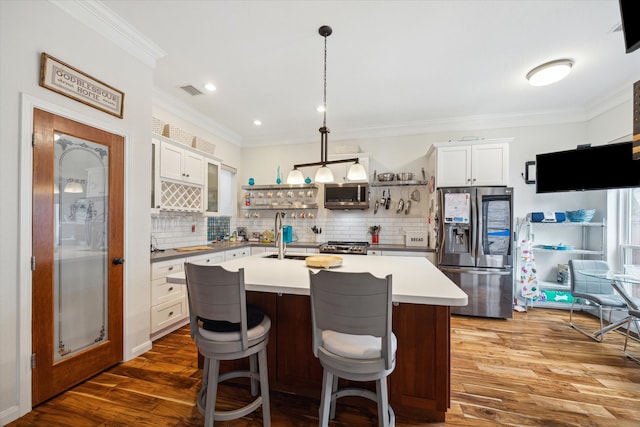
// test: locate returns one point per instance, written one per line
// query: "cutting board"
(192, 248)
(323, 261)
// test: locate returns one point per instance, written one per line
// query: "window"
(630, 237)
(631, 220)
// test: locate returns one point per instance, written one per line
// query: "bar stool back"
(222, 331)
(352, 337)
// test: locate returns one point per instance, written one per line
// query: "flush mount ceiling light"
(324, 174)
(550, 72)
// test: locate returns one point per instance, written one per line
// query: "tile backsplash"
(218, 227)
(337, 225)
(176, 229)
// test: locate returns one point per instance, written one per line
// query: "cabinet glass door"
(213, 175)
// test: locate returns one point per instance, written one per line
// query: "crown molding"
(95, 15)
(172, 105)
(610, 101)
(454, 124)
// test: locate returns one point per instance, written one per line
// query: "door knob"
(118, 260)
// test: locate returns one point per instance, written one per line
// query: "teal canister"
(287, 233)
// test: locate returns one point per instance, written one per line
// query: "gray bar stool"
(224, 328)
(352, 338)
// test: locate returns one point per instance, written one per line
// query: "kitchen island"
(422, 296)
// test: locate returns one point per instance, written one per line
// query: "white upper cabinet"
(181, 164)
(463, 163)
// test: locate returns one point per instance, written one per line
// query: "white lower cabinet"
(236, 253)
(169, 314)
(168, 300)
(207, 259)
(257, 250)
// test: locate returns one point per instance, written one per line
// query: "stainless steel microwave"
(347, 195)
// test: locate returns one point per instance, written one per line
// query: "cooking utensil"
(404, 176)
(400, 205)
(407, 207)
(375, 208)
(387, 202)
(424, 176)
(415, 195)
(387, 176)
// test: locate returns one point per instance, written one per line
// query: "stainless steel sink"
(298, 257)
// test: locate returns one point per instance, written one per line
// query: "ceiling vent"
(191, 90)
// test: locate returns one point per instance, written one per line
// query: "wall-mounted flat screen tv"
(592, 168)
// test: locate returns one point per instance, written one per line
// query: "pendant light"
(74, 186)
(324, 174)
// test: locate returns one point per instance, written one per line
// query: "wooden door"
(77, 253)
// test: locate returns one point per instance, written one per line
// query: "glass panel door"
(80, 245)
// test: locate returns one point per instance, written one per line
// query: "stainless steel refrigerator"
(475, 247)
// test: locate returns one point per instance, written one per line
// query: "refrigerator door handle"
(478, 272)
(475, 223)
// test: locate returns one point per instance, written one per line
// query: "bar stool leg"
(264, 387)
(325, 399)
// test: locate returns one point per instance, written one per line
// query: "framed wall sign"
(66, 80)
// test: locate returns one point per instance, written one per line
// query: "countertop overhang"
(415, 279)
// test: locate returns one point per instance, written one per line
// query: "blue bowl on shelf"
(581, 215)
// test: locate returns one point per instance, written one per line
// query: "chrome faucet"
(280, 235)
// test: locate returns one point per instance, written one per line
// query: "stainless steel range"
(352, 248)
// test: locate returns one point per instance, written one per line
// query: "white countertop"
(415, 279)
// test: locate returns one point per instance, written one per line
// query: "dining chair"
(633, 317)
(596, 292)
(352, 338)
(224, 327)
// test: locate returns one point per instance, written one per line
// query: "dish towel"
(528, 279)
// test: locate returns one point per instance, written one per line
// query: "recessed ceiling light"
(257, 122)
(550, 72)
(210, 87)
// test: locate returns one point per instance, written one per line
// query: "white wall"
(28, 28)
(407, 154)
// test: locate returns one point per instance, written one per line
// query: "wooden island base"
(419, 385)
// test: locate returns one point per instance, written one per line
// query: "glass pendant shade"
(295, 177)
(324, 175)
(356, 172)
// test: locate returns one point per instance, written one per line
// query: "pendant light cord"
(324, 99)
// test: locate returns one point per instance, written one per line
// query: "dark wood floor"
(532, 370)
